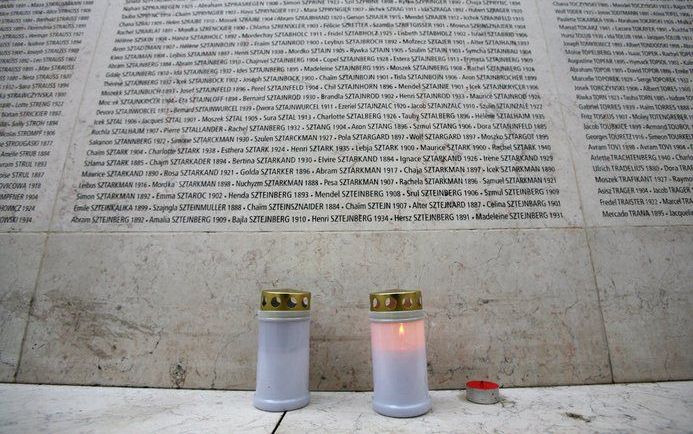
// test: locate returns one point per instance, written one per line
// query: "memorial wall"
(527, 164)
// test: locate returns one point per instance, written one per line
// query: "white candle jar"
(398, 347)
(283, 350)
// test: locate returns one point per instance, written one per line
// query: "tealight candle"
(482, 392)
(398, 347)
(283, 350)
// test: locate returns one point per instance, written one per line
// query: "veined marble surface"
(73, 409)
(652, 407)
(20, 257)
(623, 408)
(178, 310)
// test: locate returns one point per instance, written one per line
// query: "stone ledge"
(647, 407)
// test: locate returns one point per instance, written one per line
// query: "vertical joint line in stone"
(579, 194)
(599, 304)
(30, 309)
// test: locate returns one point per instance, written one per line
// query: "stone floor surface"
(623, 408)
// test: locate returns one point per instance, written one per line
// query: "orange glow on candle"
(398, 336)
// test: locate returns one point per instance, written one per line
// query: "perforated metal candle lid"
(285, 300)
(396, 300)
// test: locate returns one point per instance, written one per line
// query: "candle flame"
(401, 329)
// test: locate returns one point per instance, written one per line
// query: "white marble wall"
(524, 307)
(178, 309)
(645, 280)
(20, 256)
(584, 302)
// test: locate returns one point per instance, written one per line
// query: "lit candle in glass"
(398, 347)
(283, 350)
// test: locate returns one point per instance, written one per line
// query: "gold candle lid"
(395, 300)
(285, 299)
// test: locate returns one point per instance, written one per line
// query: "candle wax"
(400, 379)
(282, 365)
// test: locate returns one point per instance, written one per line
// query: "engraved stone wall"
(528, 166)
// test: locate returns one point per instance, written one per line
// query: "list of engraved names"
(39, 43)
(319, 114)
(631, 64)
